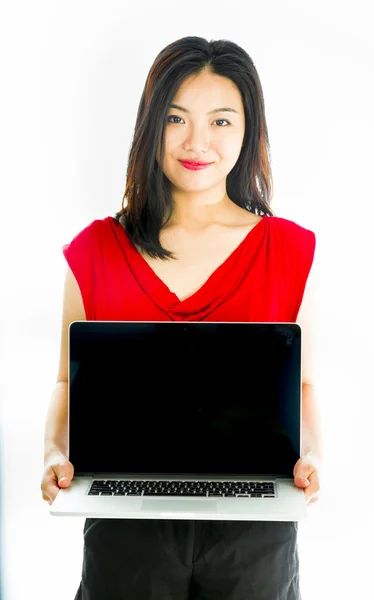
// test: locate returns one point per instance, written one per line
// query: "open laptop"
(184, 420)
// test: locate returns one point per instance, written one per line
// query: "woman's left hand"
(307, 473)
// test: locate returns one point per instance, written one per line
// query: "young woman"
(195, 240)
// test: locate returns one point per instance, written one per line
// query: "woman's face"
(200, 130)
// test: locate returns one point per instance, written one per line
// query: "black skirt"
(152, 559)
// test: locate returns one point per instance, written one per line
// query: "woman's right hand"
(58, 473)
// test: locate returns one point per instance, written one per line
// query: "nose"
(197, 138)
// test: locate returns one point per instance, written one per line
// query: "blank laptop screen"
(184, 398)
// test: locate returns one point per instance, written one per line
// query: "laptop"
(184, 420)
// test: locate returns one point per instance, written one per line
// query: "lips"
(194, 166)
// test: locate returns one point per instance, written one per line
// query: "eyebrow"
(216, 110)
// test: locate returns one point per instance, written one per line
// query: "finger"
(305, 466)
(64, 472)
(301, 481)
(50, 489)
(64, 481)
(313, 500)
(50, 499)
(312, 491)
(46, 498)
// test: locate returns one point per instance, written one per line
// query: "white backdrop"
(73, 75)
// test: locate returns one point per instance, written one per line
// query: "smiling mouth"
(191, 166)
(195, 164)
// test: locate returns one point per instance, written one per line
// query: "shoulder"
(292, 233)
(287, 225)
(95, 230)
(99, 226)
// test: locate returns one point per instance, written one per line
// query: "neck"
(195, 210)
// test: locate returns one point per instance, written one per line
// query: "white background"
(72, 74)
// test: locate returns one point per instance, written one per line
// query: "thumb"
(301, 481)
(64, 474)
(301, 471)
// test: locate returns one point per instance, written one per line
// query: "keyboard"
(222, 489)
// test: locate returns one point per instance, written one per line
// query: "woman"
(191, 243)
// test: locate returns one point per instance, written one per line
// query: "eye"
(173, 117)
(180, 119)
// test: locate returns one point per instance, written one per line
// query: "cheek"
(229, 149)
(173, 139)
(169, 149)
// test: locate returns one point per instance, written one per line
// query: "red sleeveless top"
(263, 279)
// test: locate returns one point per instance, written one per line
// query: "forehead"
(208, 91)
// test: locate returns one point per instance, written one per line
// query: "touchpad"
(159, 504)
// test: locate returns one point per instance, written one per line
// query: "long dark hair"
(249, 184)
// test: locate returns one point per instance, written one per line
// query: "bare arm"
(311, 423)
(56, 428)
(312, 442)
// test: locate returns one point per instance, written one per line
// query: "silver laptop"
(184, 420)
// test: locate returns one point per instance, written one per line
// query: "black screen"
(184, 398)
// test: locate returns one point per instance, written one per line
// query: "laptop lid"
(184, 398)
